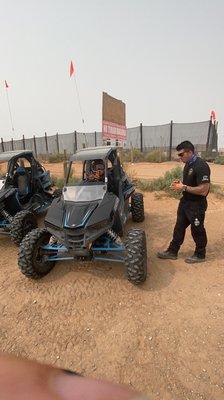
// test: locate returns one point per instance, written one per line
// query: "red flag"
(213, 116)
(72, 69)
(6, 85)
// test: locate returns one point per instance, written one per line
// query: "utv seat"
(111, 182)
(22, 182)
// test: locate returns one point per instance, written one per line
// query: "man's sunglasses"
(181, 154)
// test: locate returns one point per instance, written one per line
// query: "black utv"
(25, 190)
(88, 220)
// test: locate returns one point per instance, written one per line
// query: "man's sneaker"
(194, 259)
(167, 255)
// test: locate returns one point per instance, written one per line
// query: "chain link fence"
(145, 138)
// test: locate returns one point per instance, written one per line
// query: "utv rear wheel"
(31, 261)
(137, 207)
(22, 223)
(136, 256)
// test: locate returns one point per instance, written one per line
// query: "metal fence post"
(208, 137)
(141, 138)
(171, 140)
(45, 134)
(24, 143)
(35, 145)
(95, 139)
(132, 158)
(57, 141)
(216, 136)
(2, 143)
(12, 144)
(65, 165)
(75, 142)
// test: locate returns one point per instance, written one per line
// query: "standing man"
(192, 206)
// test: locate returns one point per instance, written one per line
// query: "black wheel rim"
(38, 255)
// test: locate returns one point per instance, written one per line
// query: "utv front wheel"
(32, 261)
(137, 207)
(22, 223)
(136, 256)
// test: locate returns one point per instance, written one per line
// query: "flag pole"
(10, 112)
(72, 72)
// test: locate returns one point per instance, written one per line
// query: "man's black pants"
(190, 213)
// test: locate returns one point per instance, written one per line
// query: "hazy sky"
(164, 59)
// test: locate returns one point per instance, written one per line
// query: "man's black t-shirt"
(194, 174)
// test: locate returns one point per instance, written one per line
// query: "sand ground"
(149, 170)
(164, 338)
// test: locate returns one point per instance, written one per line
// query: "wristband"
(184, 188)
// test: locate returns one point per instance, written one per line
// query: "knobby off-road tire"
(136, 256)
(22, 223)
(30, 261)
(137, 207)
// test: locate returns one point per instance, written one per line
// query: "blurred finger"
(25, 380)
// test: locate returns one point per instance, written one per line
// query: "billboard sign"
(114, 119)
